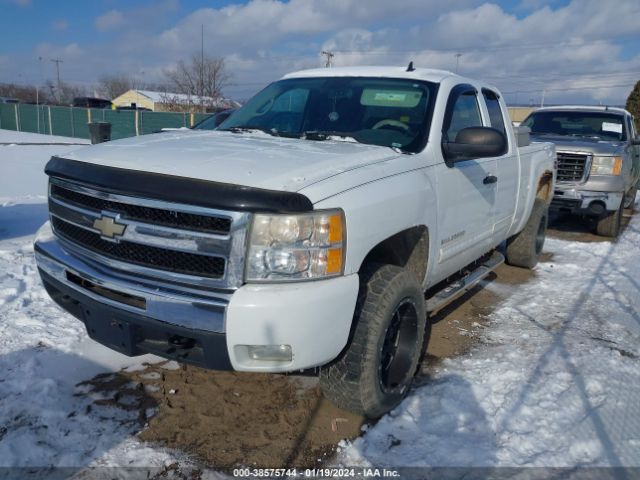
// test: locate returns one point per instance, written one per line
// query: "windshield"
(606, 126)
(387, 112)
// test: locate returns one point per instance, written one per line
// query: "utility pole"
(544, 90)
(329, 54)
(57, 61)
(201, 62)
(458, 55)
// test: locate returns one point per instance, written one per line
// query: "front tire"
(630, 198)
(609, 225)
(374, 373)
(524, 248)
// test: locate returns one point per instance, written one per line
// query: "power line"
(567, 89)
(484, 47)
(560, 75)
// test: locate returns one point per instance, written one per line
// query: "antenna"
(410, 68)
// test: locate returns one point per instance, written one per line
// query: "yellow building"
(518, 114)
(171, 102)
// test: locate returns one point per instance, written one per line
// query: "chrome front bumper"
(174, 304)
(586, 202)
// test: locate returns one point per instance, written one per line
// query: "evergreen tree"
(633, 104)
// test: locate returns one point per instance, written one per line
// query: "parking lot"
(537, 368)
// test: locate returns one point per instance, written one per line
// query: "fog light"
(270, 353)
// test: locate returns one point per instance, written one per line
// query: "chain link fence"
(73, 121)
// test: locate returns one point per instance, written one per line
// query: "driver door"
(465, 190)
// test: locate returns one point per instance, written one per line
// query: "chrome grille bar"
(74, 209)
(573, 167)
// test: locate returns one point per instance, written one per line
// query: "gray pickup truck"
(598, 160)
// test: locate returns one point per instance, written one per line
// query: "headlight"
(296, 247)
(606, 166)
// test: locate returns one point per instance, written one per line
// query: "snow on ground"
(11, 136)
(45, 352)
(22, 168)
(554, 382)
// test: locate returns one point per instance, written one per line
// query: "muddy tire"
(524, 248)
(630, 198)
(375, 371)
(609, 225)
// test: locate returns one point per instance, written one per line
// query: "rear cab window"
(496, 115)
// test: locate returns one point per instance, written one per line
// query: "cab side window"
(465, 113)
(631, 128)
(495, 110)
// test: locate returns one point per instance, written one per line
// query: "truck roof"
(586, 108)
(427, 74)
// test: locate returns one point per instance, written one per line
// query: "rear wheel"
(374, 373)
(609, 225)
(524, 248)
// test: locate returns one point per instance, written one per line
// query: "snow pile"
(555, 381)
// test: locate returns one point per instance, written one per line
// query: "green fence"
(73, 122)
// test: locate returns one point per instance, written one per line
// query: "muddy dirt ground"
(227, 419)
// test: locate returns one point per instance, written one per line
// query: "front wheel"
(609, 225)
(630, 198)
(524, 248)
(374, 373)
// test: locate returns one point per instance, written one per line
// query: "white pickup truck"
(319, 226)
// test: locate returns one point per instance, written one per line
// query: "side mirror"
(474, 142)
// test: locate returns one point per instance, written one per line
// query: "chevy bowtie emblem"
(108, 227)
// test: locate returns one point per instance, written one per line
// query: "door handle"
(489, 179)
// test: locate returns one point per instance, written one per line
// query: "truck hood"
(248, 159)
(582, 144)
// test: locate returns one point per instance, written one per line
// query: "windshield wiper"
(584, 135)
(322, 135)
(248, 129)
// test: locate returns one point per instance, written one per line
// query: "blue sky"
(573, 50)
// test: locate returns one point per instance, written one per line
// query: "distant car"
(9, 100)
(598, 160)
(91, 102)
(134, 107)
(212, 122)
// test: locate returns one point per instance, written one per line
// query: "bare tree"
(24, 93)
(200, 77)
(112, 86)
(67, 92)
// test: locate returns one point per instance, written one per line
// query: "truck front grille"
(172, 243)
(572, 167)
(181, 220)
(144, 255)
